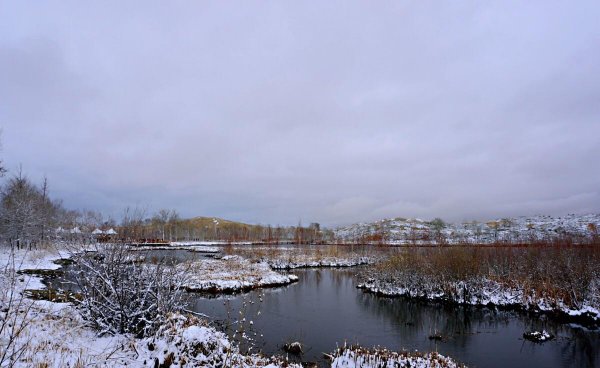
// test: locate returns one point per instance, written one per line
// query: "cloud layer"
(336, 112)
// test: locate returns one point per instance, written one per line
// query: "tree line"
(29, 217)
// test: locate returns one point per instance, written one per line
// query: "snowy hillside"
(517, 229)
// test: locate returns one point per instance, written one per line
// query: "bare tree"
(21, 217)
(2, 168)
(173, 221)
(132, 224)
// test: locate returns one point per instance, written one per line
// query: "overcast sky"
(334, 112)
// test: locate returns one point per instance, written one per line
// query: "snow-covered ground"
(24, 259)
(232, 273)
(188, 341)
(56, 336)
(515, 229)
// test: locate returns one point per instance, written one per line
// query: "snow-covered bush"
(121, 295)
(14, 314)
(187, 341)
(359, 357)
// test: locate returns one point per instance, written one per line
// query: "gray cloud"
(328, 112)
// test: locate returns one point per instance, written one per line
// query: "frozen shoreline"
(485, 293)
(358, 357)
(283, 264)
(189, 248)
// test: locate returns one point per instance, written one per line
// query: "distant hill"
(217, 229)
(214, 221)
(515, 229)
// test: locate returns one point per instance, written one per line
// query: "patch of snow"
(231, 273)
(538, 336)
(356, 357)
(283, 263)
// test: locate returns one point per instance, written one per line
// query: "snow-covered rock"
(538, 336)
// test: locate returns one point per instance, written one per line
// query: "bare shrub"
(557, 271)
(121, 295)
(14, 315)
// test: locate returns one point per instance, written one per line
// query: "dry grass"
(558, 271)
(302, 254)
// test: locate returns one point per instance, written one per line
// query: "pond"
(324, 309)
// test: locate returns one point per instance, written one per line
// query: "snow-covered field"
(401, 231)
(23, 259)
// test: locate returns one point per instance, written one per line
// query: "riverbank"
(359, 357)
(561, 282)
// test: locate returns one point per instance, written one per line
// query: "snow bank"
(54, 335)
(482, 292)
(356, 357)
(230, 274)
(188, 341)
(204, 243)
(190, 248)
(25, 261)
(31, 259)
(299, 262)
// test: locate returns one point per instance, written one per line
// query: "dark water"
(324, 309)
